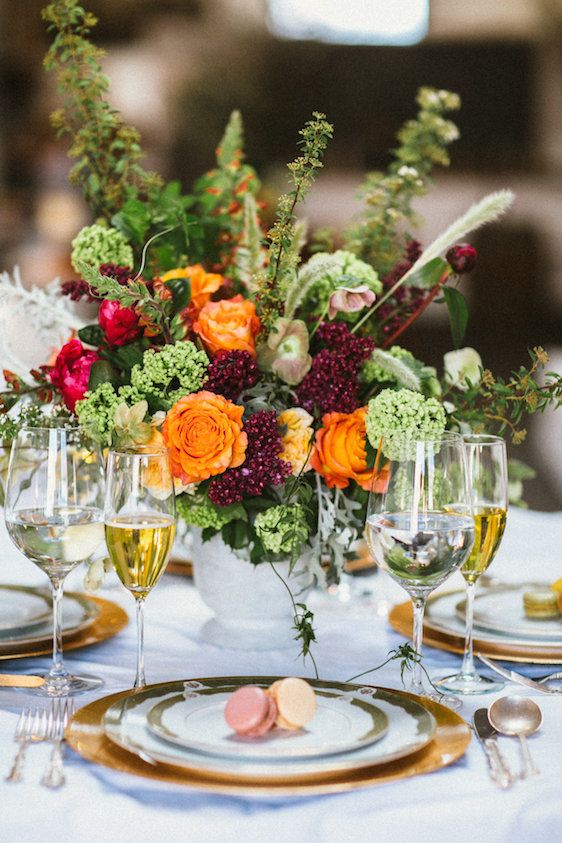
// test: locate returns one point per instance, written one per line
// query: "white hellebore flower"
(461, 366)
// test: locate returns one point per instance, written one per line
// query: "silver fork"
(31, 727)
(60, 713)
(550, 677)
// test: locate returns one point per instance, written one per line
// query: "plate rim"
(160, 731)
(26, 589)
(342, 764)
(89, 605)
(505, 589)
(451, 740)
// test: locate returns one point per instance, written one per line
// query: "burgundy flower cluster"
(405, 299)
(262, 467)
(231, 372)
(332, 383)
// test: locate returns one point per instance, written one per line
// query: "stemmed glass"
(54, 515)
(487, 470)
(419, 523)
(140, 526)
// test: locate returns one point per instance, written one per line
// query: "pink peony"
(119, 324)
(71, 372)
(350, 299)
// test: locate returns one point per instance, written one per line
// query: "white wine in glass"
(487, 468)
(140, 526)
(54, 515)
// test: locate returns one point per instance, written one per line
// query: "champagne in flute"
(489, 525)
(139, 546)
(487, 467)
(140, 525)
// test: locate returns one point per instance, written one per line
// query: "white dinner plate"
(500, 609)
(22, 608)
(78, 613)
(441, 616)
(343, 722)
(410, 728)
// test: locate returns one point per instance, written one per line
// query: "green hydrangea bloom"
(396, 415)
(340, 269)
(167, 375)
(96, 411)
(283, 528)
(97, 244)
(201, 512)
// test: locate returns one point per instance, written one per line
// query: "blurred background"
(179, 67)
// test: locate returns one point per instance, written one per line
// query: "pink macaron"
(250, 711)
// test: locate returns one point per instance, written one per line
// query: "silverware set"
(37, 725)
(540, 685)
(513, 716)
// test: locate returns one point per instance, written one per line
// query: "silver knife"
(497, 766)
(518, 677)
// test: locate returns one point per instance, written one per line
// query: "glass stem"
(467, 668)
(419, 609)
(58, 669)
(140, 680)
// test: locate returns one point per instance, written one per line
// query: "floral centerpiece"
(266, 361)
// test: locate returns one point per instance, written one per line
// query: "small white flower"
(406, 171)
(461, 366)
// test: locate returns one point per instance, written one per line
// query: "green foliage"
(499, 405)
(458, 313)
(167, 375)
(380, 234)
(283, 258)
(108, 152)
(219, 197)
(201, 512)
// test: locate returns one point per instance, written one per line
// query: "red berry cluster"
(231, 372)
(332, 384)
(262, 466)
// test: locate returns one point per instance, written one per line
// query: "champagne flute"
(54, 515)
(140, 526)
(487, 469)
(419, 523)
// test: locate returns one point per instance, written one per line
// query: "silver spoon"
(518, 716)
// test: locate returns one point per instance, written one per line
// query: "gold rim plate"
(110, 620)
(85, 734)
(400, 619)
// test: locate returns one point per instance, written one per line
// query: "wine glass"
(140, 526)
(419, 523)
(487, 471)
(54, 515)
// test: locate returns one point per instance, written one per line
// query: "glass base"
(444, 699)
(470, 683)
(65, 686)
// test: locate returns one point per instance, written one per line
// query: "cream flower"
(461, 366)
(297, 436)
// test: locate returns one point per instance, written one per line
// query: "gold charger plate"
(110, 620)
(400, 619)
(85, 734)
(180, 568)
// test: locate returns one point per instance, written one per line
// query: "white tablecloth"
(458, 803)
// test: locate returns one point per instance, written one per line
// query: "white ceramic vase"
(252, 608)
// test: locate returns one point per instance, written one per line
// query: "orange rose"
(227, 325)
(203, 284)
(340, 454)
(204, 436)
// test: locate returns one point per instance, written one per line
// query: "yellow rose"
(297, 436)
